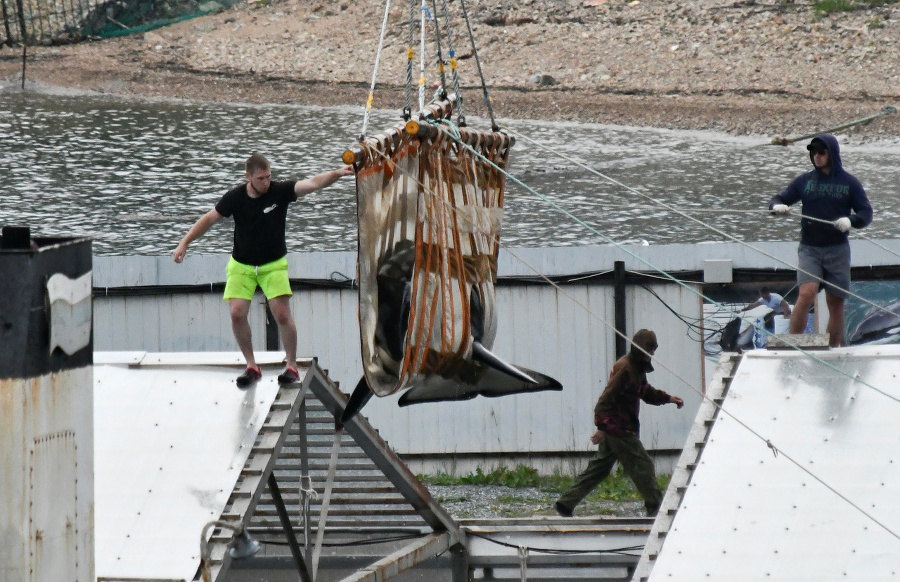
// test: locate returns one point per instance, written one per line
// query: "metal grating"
(363, 499)
(293, 440)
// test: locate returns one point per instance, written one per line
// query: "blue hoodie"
(827, 197)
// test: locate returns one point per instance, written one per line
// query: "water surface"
(135, 174)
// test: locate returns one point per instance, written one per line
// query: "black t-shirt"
(258, 222)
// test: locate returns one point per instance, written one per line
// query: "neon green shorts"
(243, 279)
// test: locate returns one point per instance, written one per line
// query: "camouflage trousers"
(630, 453)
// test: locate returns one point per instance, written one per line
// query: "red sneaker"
(250, 376)
(289, 376)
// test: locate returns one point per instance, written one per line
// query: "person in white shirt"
(772, 301)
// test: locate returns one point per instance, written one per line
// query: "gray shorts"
(828, 264)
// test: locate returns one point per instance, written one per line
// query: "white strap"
(523, 563)
(306, 493)
(369, 101)
(422, 57)
(326, 500)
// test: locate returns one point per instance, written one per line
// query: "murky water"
(135, 175)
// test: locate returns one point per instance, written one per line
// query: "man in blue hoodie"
(833, 201)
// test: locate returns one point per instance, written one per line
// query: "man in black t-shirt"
(259, 257)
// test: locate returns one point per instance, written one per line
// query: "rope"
(424, 10)
(410, 53)
(783, 141)
(371, 99)
(440, 56)
(460, 118)
(306, 492)
(487, 98)
(625, 551)
(679, 212)
(856, 232)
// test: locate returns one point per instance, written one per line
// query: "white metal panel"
(677, 361)
(675, 257)
(822, 504)
(328, 328)
(170, 443)
(188, 322)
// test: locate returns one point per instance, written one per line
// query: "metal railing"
(52, 22)
(49, 21)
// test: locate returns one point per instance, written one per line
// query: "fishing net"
(63, 21)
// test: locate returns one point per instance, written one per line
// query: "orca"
(482, 373)
(879, 326)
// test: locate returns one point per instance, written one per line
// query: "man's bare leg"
(805, 300)
(240, 325)
(281, 311)
(835, 326)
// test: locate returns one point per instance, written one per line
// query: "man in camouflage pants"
(616, 417)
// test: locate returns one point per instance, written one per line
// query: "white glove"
(780, 209)
(842, 224)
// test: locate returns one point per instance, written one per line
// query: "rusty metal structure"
(46, 403)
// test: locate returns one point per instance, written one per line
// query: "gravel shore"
(496, 501)
(773, 68)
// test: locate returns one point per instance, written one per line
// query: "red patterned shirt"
(618, 407)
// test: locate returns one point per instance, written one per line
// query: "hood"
(643, 340)
(834, 150)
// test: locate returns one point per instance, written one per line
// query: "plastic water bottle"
(760, 338)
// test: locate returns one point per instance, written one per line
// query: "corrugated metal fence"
(152, 304)
(562, 331)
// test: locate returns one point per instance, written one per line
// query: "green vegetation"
(825, 7)
(521, 476)
(616, 487)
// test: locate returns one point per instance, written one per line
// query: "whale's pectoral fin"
(488, 358)
(361, 395)
(489, 382)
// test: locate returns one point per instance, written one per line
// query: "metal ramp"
(363, 501)
(795, 478)
(372, 490)
(178, 447)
